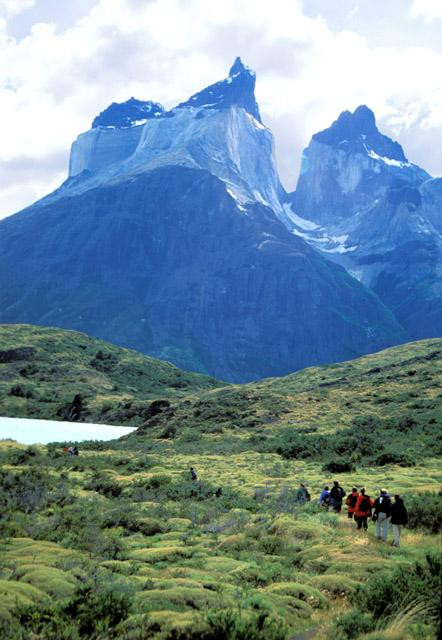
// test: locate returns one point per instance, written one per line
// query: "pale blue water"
(30, 431)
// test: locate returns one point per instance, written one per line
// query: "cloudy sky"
(63, 62)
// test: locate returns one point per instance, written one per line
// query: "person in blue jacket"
(324, 497)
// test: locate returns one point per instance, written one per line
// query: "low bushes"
(369, 440)
(388, 594)
(339, 466)
(104, 484)
(92, 610)
(425, 511)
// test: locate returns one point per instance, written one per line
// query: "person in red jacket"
(362, 512)
(351, 502)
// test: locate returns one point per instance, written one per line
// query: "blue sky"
(63, 62)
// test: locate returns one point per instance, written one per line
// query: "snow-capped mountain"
(168, 237)
(362, 203)
(218, 129)
(347, 166)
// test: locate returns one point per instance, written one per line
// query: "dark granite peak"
(239, 67)
(122, 115)
(357, 133)
(237, 89)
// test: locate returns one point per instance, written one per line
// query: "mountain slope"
(42, 369)
(167, 264)
(171, 237)
(361, 203)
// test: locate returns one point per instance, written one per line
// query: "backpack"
(351, 501)
(336, 494)
(364, 505)
(307, 496)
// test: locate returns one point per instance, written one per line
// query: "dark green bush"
(291, 444)
(352, 625)
(386, 594)
(389, 592)
(394, 457)
(20, 391)
(26, 491)
(94, 609)
(339, 466)
(169, 432)
(233, 625)
(104, 484)
(425, 511)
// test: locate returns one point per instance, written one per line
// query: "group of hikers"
(72, 451)
(361, 507)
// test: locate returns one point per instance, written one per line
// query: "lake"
(30, 431)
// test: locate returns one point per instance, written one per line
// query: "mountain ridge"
(186, 211)
(365, 206)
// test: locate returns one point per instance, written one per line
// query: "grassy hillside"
(385, 407)
(120, 543)
(43, 369)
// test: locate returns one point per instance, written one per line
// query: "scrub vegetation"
(44, 369)
(119, 542)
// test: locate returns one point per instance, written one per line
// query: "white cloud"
(10, 8)
(52, 83)
(429, 10)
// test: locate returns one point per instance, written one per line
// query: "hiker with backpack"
(362, 511)
(302, 495)
(399, 518)
(351, 502)
(382, 514)
(324, 498)
(337, 494)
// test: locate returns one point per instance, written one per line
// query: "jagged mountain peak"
(239, 67)
(357, 133)
(133, 112)
(237, 89)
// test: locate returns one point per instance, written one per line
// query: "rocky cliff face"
(360, 202)
(218, 129)
(348, 166)
(168, 264)
(173, 235)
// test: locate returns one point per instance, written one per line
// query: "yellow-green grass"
(129, 513)
(215, 557)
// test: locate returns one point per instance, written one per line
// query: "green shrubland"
(66, 375)
(119, 542)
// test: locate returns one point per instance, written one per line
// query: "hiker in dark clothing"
(351, 502)
(324, 497)
(193, 475)
(337, 493)
(302, 495)
(363, 507)
(382, 513)
(399, 518)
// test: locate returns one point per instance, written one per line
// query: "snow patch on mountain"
(390, 161)
(298, 221)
